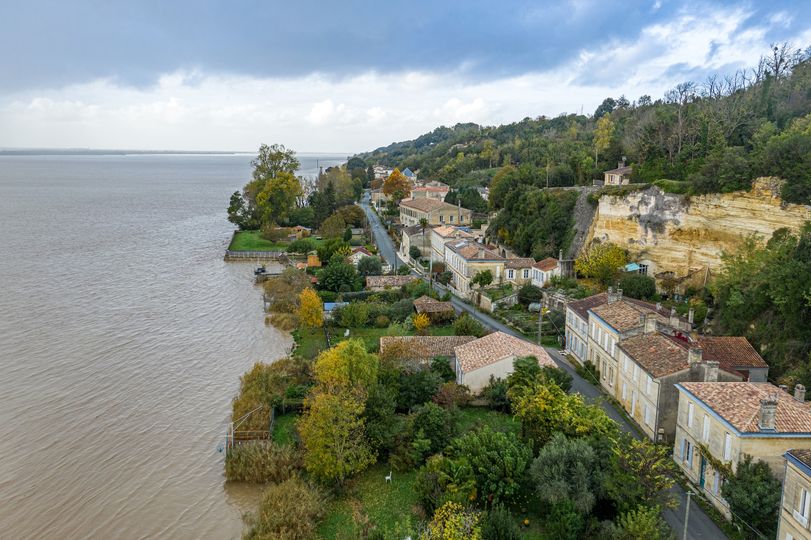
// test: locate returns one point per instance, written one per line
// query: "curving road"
(701, 527)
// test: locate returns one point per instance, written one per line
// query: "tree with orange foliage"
(311, 309)
(397, 186)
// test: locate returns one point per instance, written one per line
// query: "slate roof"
(407, 172)
(426, 304)
(425, 348)
(739, 404)
(427, 204)
(495, 347)
(730, 352)
(656, 353)
(388, 281)
(547, 264)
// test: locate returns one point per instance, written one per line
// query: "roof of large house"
(473, 251)
(625, 169)
(739, 404)
(424, 347)
(596, 302)
(803, 456)
(449, 231)
(730, 352)
(549, 263)
(495, 347)
(412, 230)
(426, 304)
(407, 172)
(361, 249)
(519, 262)
(427, 204)
(658, 354)
(388, 281)
(434, 189)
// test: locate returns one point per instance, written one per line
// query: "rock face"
(686, 235)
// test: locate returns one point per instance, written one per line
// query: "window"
(690, 414)
(451, 218)
(717, 482)
(526, 273)
(461, 218)
(633, 402)
(648, 415)
(648, 384)
(803, 508)
(624, 391)
(687, 453)
(727, 446)
(625, 364)
(643, 269)
(610, 376)
(510, 274)
(705, 430)
(441, 218)
(636, 373)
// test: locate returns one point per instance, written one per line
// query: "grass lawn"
(369, 497)
(284, 428)
(499, 292)
(252, 241)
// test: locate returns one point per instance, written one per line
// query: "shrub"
(642, 523)
(260, 462)
(451, 395)
(588, 371)
(638, 286)
(414, 252)
(442, 367)
(443, 480)
(401, 310)
(444, 277)
(499, 524)
(370, 266)
(302, 245)
(559, 376)
(753, 494)
(564, 522)
(283, 321)
(289, 510)
(381, 321)
(403, 270)
(435, 424)
(453, 522)
(417, 388)
(354, 314)
(421, 323)
(465, 325)
(529, 293)
(496, 394)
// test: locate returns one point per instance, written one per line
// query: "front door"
(702, 469)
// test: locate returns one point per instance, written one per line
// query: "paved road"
(701, 526)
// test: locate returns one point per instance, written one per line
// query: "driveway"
(701, 527)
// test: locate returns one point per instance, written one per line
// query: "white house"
(543, 270)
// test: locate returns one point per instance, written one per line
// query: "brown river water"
(122, 338)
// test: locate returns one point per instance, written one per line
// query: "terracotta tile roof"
(434, 189)
(582, 307)
(803, 455)
(388, 281)
(473, 251)
(519, 262)
(739, 404)
(427, 204)
(498, 346)
(730, 352)
(426, 304)
(425, 348)
(361, 249)
(549, 263)
(621, 315)
(626, 169)
(656, 353)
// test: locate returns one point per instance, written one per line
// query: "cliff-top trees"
(601, 262)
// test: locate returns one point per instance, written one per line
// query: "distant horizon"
(46, 151)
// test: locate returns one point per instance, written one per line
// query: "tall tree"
(397, 186)
(603, 134)
(311, 308)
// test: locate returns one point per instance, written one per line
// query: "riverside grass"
(259, 462)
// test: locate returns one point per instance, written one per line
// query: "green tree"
(370, 266)
(414, 252)
(753, 494)
(641, 472)
(240, 214)
(434, 424)
(339, 277)
(333, 227)
(483, 278)
(603, 134)
(346, 367)
(565, 522)
(788, 155)
(567, 470)
(278, 196)
(499, 462)
(465, 325)
(638, 286)
(500, 524)
(442, 480)
(453, 522)
(382, 424)
(641, 523)
(273, 160)
(333, 436)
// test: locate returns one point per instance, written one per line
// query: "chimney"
(690, 315)
(783, 387)
(560, 255)
(674, 319)
(710, 371)
(621, 164)
(799, 392)
(650, 323)
(694, 355)
(658, 306)
(612, 296)
(768, 412)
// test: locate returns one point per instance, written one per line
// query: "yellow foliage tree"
(310, 308)
(453, 522)
(602, 135)
(397, 186)
(346, 367)
(601, 262)
(421, 323)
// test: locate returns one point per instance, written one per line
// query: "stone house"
(435, 211)
(795, 504)
(436, 310)
(493, 355)
(543, 270)
(415, 236)
(651, 364)
(438, 193)
(422, 348)
(618, 177)
(443, 234)
(518, 270)
(378, 198)
(381, 283)
(464, 259)
(718, 423)
(357, 254)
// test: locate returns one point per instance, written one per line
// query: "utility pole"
(540, 322)
(686, 515)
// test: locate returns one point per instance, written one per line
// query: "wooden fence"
(253, 255)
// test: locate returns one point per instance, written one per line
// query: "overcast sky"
(349, 76)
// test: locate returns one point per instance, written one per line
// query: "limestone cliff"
(686, 235)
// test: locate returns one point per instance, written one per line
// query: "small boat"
(260, 271)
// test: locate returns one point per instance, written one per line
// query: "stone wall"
(681, 234)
